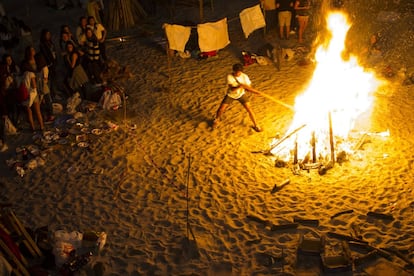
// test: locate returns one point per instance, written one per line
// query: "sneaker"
(4, 147)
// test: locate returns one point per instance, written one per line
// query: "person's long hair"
(43, 34)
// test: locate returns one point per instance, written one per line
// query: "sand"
(165, 177)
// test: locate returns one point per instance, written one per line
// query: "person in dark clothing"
(48, 51)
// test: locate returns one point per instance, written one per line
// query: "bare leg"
(36, 106)
(300, 31)
(30, 117)
(251, 114)
(287, 31)
(219, 112)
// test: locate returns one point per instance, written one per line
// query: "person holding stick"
(238, 83)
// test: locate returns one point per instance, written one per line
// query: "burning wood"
(338, 93)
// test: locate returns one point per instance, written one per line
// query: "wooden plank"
(26, 235)
(21, 269)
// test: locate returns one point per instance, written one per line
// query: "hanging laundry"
(251, 19)
(213, 36)
(177, 36)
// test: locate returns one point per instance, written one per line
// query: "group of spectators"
(77, 60)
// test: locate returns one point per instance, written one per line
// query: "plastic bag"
(9, 128)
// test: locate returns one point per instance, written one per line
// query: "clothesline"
(228, 21)
(214, 36)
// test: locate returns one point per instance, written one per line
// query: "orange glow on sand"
(338, 87)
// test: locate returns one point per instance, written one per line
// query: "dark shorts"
(243, 99)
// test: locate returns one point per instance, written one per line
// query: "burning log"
(362, 140)
(284, 139)
(331, 141)
(313, 143)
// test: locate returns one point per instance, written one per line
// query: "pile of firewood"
(124, 14)
(13, 238)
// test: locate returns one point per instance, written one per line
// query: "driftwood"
(380, 252)
(380, 215)
(257, 219)
(277, 188)
(342, 213)
(400, 255)
(309, 222)
(366, 258)
(345, 237)
(286, 226)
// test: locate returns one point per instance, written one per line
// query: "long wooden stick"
(285, 138)
(275, 100)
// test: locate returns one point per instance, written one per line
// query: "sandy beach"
(176, 197)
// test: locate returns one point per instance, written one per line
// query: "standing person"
(76, 78)
(269, 11)
(48, 51)
(43, 89)
(93, 57)
(238, 83)
(81, 31)
(8, 79)
(302, 8)
(100, 33)
(284, 16)
(32, 103)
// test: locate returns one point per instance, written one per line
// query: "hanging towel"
(213, 36)
(177, 36)
(251, 19)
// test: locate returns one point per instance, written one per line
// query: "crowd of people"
(292, 16)
(30, 83)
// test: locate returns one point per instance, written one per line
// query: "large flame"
(340, 89)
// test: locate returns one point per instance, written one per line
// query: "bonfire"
(339, 91)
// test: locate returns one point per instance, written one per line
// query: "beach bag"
(22, 93)
(247, 58)
(9, 128)
(110, 100)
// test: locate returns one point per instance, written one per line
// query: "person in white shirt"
(238, 83)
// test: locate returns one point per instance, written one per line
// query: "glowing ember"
(338, 87)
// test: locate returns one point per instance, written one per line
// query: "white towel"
(213, 36)
(177, 36)
(251, 19)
